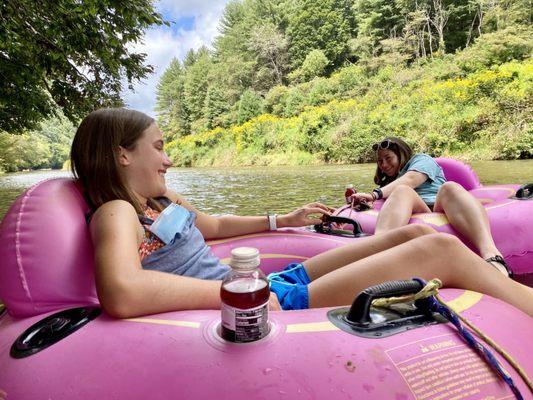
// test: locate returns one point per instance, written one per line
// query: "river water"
(256, 190)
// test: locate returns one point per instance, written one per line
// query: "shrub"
(513, 43)
(294, 102)
(275, 99)
(352, 81)
(322, 90)
(314, 65)
(250, 105)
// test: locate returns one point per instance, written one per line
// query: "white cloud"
(180, 8)
(162, 44)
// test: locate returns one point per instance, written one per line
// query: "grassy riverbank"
(471, 105)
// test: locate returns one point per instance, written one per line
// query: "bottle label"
(248, 325)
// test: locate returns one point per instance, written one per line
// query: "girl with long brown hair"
(414, 183)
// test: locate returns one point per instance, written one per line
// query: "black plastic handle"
(525, 192)
(52, 329)
(325, 227)
(360, 310)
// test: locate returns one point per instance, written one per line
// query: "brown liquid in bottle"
(237, 294)
(241, 299)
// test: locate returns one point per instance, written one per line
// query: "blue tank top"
(187, 255)
(435, 177)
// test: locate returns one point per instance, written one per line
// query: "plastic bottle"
(244, 294)
(348, 193)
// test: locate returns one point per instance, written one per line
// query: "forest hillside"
(308, 81)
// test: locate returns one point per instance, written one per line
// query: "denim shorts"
(290, 285)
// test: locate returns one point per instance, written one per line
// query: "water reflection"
(253, 191)
(257, 190)
(11, 185)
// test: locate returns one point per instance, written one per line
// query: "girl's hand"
(356, 198)
(310, 214)
(273, 302)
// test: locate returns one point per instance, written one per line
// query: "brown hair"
(404, 153)
(94, 154)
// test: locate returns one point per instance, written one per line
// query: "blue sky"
(195, 23)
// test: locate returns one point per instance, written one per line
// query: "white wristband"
(272, 225)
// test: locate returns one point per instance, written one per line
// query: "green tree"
(424, 27)
(417, 34)
(376, 20)
(501, 14)
(58, 133)
(274, 100)
(48, 146)
(251, 52)
(23, 151)
(68, 54)
(216, 105)
(327, 25)
(232, 48)
(314, 65)
(495, 48)
(171, 107)
(271, 47)
(250, 105)
(196, 83)
(190, 58)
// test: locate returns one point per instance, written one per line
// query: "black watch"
(378, 192)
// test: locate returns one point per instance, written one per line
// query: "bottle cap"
(244, 258)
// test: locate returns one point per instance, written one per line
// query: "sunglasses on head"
(382, 145)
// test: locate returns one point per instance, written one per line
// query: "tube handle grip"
(360, 310)
(357, 230)
(524, 192)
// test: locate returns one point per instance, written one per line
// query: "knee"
(451, 190)
(403, 192)
(436, 253)
(413, 231)
(441, 244)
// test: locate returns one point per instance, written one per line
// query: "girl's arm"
(412, 179)
(233, 225)
(125, 289)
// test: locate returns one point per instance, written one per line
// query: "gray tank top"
(187, 255)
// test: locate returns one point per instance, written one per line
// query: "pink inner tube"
(181, 355)
(47, 266)
(47, 255)
(457, 171)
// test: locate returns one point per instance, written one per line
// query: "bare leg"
(333, 259)
(398, 208)
(467, 216)
(430, 256)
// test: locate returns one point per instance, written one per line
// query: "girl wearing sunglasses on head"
(414, 183)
